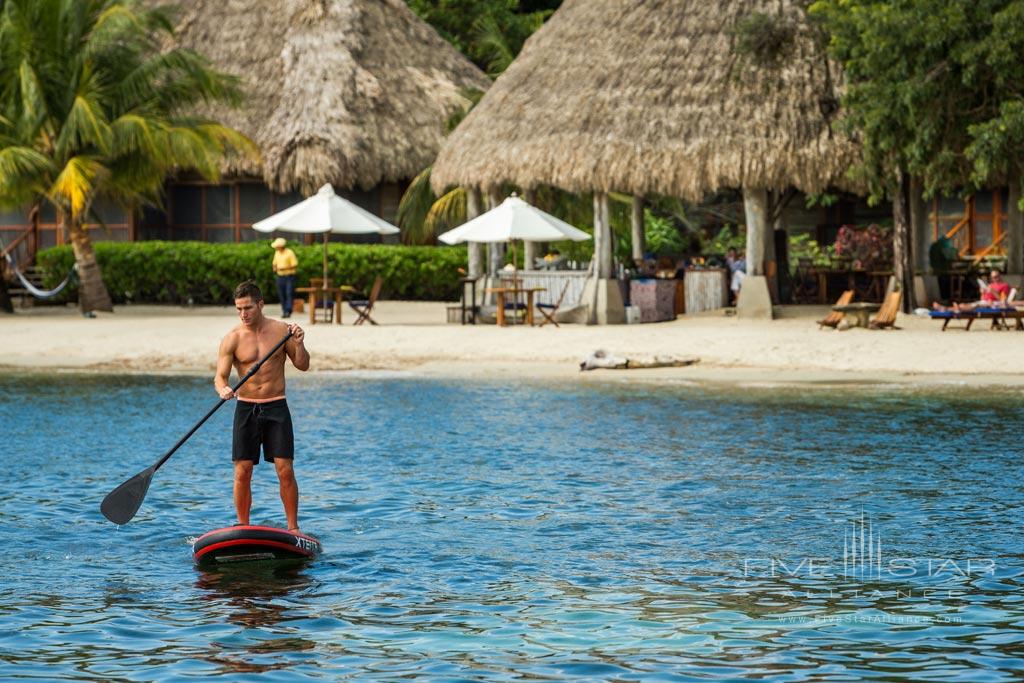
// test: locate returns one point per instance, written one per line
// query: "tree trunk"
(476, 250)
(637, 225)
(92, 293)
(5, 298)
(903, 265)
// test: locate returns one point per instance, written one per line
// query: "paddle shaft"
(252, 371)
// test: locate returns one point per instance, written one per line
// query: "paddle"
(122, 503)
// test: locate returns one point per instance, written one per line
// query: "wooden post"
(475, 267)
(903, 268)
(637, 224)
(755, 208)
(530, 249)
(495, 250)
(1015, 230)
(602, 237)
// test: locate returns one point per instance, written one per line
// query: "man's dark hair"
(250, 290)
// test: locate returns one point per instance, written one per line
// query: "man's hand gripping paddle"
(122, 503)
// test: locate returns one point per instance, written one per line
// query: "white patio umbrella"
(514, 219)
(325, 212)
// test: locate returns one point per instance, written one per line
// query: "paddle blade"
(122, 503)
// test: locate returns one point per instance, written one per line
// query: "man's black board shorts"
(263, 424)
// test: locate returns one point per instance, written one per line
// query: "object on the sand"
(244, 543)
(604, 360)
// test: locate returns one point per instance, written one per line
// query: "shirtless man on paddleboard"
(261, 414)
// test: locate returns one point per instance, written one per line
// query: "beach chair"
(886, 317)
(365, 306)
(835, 317)
(549, 310)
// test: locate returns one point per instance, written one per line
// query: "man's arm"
(296, 349)
(225, 357)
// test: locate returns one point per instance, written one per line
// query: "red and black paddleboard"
(253, 544)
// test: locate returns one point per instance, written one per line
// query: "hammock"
(35, 291)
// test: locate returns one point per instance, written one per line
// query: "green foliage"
(934, 88)
(803, 246)
(91, 105)
(727, 238)
(490, 32)
(174, 272)
(663, 238)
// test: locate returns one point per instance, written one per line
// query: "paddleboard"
(235, 544)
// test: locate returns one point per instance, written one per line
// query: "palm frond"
(75, 185)
(22, 169)
(85, 128)
(414, 207)
(491, 45)
(446, 212)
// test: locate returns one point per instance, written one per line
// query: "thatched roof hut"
(351, 92)
(654, 96)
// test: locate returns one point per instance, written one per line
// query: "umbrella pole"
(325, 260)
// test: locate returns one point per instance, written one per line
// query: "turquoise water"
(484, 531)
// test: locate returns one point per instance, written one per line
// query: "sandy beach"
(413, 338)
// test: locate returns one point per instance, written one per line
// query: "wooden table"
(862, 311)
(322, 294)
(502, 292)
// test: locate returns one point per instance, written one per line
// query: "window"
(975, 225)
(186, 204)
(254, 201)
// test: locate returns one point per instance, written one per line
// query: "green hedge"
(174, 272)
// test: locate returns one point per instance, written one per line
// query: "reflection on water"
(258, 596)
(494, 531)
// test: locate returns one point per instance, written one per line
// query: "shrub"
(175, 272)
(869, 248)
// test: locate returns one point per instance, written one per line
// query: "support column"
(602, 236)
(602, 290)
(495, 250)
(1015, 230)
(530, 249)
(638, 228)
(476, 250)
(754, 300)
(755, 209)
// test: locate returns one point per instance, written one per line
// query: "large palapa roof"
(653, 96)
(350, 92)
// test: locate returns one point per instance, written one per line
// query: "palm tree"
(91, 107)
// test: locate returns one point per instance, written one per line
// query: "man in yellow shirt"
(285, 264)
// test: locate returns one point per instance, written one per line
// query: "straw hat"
(278, 243)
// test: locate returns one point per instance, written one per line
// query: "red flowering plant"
(869, 248)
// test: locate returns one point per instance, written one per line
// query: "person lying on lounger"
(993, 295)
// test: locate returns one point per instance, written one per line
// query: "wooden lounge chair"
(835, 317)
(887, 313)
(365, 306)
(549, 310)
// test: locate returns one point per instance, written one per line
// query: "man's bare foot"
(295, 530)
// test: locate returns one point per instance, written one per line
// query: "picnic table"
(861, 310)
(514, 291)
(321, 293)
